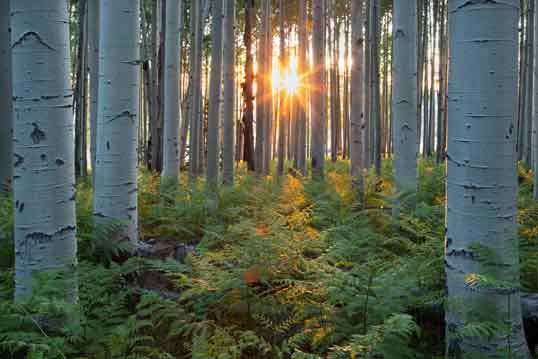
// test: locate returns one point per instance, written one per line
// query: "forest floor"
(269, 268)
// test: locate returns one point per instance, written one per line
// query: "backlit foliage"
(281, 269)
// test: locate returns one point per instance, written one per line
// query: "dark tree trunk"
(248, 153)
(81, 161)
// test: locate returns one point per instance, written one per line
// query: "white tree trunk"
(172, 68)
(357, 125)
(116, 162)
(481, 249)
(93, 63)
(229, 92)
(214, 95)
(404, 100)
(6, 117)
(318, 84)
(44, 178)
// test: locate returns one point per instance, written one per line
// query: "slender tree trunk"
(366, 141)
(383, 107)
(80, 92)
(404, 89)
(214, 100)
(172, 111)
(527, 156)
(376, 115)
(196, 80)
(357, 125)
(261, 92)
(248, 115)
(93, 64)
(283, 96)
(346, 94)
(318, 85)
(535, 111)
(302, 103)
(229, 92)
(155, 126)
(521, 88)
(331, 45)
(441, 133)
(44, 185)
(431, 109)
(185, 124)
(268, 91)
(117, 128)
(6, 116)
(482, 182)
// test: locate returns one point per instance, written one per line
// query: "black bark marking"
(43, 157)
(60, 162)
(32, 35)
(477, 2)
(21, 207)
(125, 113)
(37, 134)
(19, 160)
(45, 97)
(133, 62)
(461, 253)
(108, 145)
(41, 238)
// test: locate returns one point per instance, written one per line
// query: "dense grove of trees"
(130, 127)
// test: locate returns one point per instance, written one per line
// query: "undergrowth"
(290, 268)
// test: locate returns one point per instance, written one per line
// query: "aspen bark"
(172, 111)
(481, 248)
(229, 92)
(44, 177)
(261, 91)
(404, 89)
(318, 86)
(116, 164)
(302, 103)
(357, 125)
(215, 90)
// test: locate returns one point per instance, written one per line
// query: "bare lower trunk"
(357, 125)
(481, 249)
(172, 112)
(248, 96)
(44, 181)
(196, 80)
(93, 63)
(318, 84)
(404, 102)
(229, 93)
(214, 99)
(116, 164)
